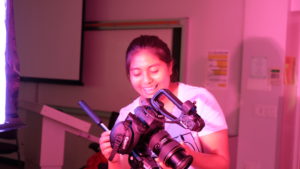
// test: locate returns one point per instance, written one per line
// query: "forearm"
(209, 161)
(215, 153)
(121, 163)
(112, 165)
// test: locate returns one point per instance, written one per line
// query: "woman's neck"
(173, 87)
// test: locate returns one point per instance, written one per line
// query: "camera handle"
(159, 106)
(189, 119)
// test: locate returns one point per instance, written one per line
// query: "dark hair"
(152, 42)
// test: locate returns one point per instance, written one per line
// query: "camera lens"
(169, 151)
(179, 159)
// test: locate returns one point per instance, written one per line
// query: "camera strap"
(118, 140)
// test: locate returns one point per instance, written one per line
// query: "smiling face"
(147, 73)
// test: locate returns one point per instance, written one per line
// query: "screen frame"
(74, 81)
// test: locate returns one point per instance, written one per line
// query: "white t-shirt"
(207, 107)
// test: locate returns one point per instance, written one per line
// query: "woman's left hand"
(187, 149)
(161, 164)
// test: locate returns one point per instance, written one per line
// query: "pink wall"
(212, 26)
(252, 31)
(289, 133)
(265, 110)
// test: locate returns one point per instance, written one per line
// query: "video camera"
(142, 136)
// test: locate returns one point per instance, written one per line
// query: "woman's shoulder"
(185, 86)
(124, 111)
(186, 91)
(131, 106)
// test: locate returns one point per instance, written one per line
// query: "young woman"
(149, 68)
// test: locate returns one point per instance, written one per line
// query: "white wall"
(262, 94)
(289, 131)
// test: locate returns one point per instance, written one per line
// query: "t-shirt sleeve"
(126, 110)
(122, 116)
(210, 111)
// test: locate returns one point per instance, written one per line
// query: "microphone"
(92, 115)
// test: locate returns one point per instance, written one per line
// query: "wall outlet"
(268, 111)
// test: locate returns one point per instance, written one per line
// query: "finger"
(105, 137)
(105, 145)
(186, 148)
(106, 149)
(161, 164)
(105, 133)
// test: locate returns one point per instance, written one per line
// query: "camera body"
(142, 134)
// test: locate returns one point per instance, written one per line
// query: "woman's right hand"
(106, 148)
